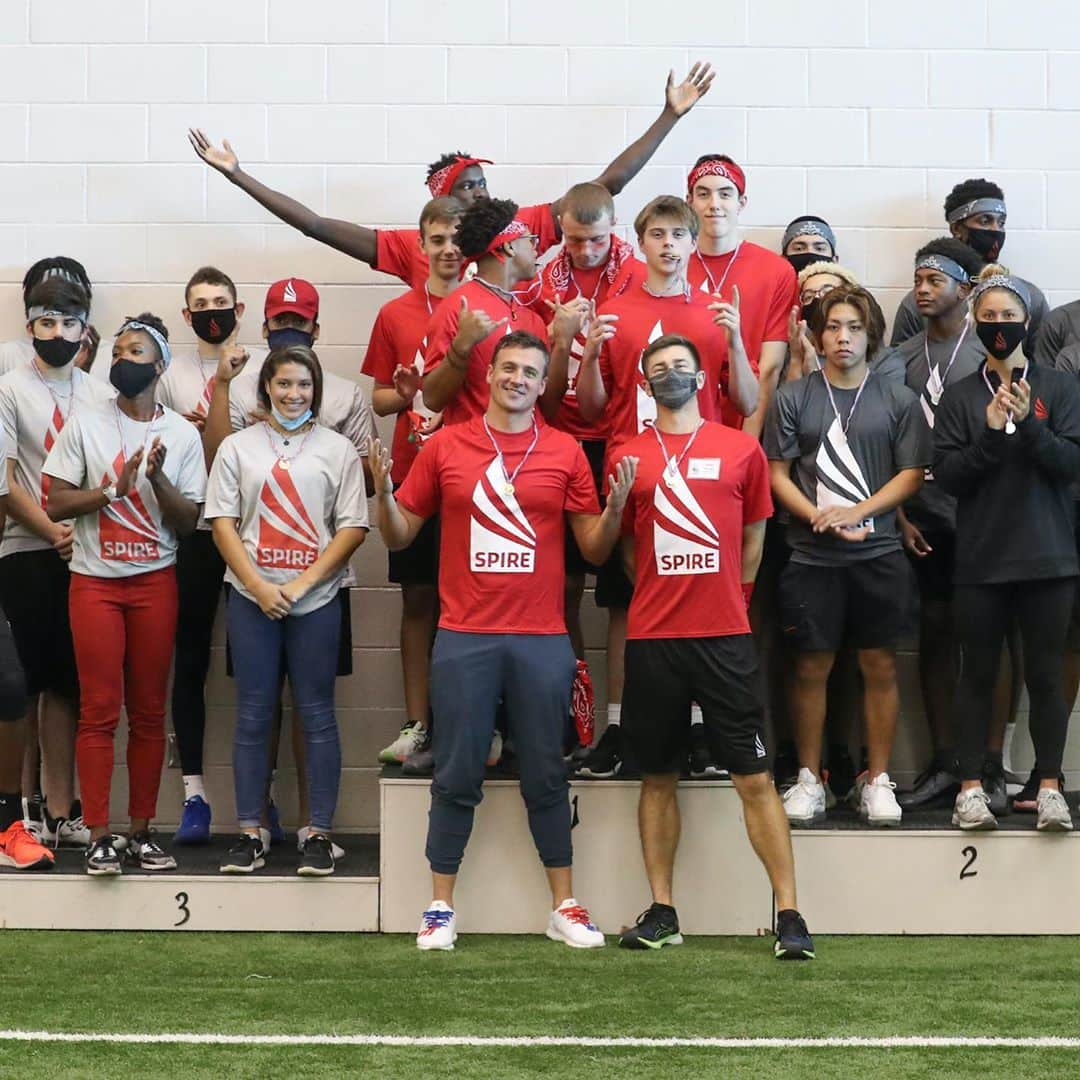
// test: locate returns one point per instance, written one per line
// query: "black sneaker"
(993, 782)
(102, 858)
(605, 758)
(246, 855)
(702, 765)
(144, 852)
(934, 787)
(318, 857)
(656, 927)
(793, 940)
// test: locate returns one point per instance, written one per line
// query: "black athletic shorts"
(863, 604)
(934, 572)
(663, 677)
(34, 594)
(344, 663)
(418, 564)
(576, 563)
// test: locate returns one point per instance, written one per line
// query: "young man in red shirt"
(693, 535)
(395, 361)
(610, 383)
(722, 262)
(394, 251)
(505, 484)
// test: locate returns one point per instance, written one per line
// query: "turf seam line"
(888, 1042)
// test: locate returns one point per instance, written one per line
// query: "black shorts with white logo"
(863, 604)
(663, 677)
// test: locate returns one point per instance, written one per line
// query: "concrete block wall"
(863, 111)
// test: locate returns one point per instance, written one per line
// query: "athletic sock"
(614, 714)
(695, 715)
(10, 809)
(193, 785)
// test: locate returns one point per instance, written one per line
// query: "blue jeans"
(307, 647)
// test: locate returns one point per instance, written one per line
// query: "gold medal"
(284, 462)
(508, 489)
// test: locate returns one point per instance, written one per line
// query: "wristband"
(748, 592)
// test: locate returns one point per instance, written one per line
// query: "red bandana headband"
(727, 169)
(513, 231)
(442, 182)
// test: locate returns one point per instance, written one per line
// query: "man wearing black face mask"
(36, 399)
(808, 240)
(975, 213)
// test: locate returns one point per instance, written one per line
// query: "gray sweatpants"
(533, 674)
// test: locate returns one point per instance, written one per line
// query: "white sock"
(614, 713)
(695, 714)
(193, 785)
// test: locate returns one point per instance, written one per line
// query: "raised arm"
(356, 240)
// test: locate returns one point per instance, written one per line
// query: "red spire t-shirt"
(501, 567)
(644, 318)
(398, 250)
(399, 336)
(687, 530)
(472, 396)
(563, 282)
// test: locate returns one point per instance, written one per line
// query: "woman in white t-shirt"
(131, 475)
(287, 504)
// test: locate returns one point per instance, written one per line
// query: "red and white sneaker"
(21, 849)
(438, 927)
(572, 924)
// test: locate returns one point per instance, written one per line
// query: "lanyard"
(509, 298)
(509, 478)
(671, 464)
(56, 399)
(713, 286)
(935, 383)
(149, 429)
(832, 401)
(1010, 423)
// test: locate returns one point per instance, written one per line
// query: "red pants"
(124, 630)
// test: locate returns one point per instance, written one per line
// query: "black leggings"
(199, 574)
(1042, 610)
(13, 700)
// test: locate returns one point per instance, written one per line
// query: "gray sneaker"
(1053, 812)
(972, 811)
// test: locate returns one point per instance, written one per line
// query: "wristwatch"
(109, 491)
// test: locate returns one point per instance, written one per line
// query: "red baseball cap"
(292, 294)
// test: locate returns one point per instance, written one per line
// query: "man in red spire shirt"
(722, 262)
(505, 485)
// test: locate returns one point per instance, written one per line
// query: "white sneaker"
(302, 835)
(571, 924)
(878, 803)
(438, 927)
(972, 811)
(408, 740)
(1053, 811)
(496, 750)
(804, 801)
(69, 833)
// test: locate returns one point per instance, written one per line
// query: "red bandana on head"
(513, 231)
(727, 169)
(442, 182)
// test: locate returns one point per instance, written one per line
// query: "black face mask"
(213, 325)
(806, 258)
(57, 351)
(287, 336)
(1000, 339)
(810, 310)
(987, 242)
(131, 378)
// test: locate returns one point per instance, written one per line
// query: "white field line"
(853, 1042)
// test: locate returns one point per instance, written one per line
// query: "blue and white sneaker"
(277, 833)
(793, 940)
(194, 822)
(438, 927)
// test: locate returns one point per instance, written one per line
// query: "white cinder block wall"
(863, 111)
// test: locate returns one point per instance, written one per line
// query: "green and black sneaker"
(655, 928)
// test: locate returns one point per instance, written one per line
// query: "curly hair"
(446, 159)
(953, 249)
(481, 223)
(967, 190)
(57, 266)
(59, 294)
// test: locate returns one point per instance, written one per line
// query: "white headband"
(162, 344)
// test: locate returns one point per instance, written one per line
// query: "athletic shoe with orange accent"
(19, 848)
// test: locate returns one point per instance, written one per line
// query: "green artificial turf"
(371, 984)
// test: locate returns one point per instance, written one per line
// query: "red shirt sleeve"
(380, 360)
(394, 252)
(441, 331)
(581, 492)
(541, 220)
(757, 497)
(420, 493)
(784, 298)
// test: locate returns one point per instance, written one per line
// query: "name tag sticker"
(703, 468)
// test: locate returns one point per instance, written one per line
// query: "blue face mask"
(286, 336)
(290, 425)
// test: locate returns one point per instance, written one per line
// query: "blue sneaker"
(194, 823)
(793, 940)
(277, 833)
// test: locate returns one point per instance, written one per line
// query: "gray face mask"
(673, 389)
